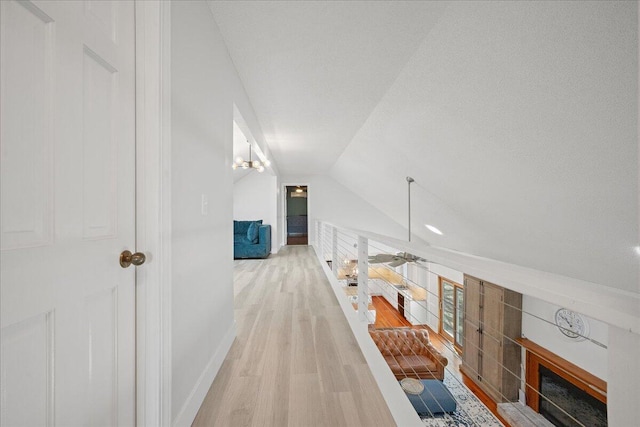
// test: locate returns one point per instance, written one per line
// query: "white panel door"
(67, 316)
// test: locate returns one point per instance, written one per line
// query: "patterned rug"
(470, 411)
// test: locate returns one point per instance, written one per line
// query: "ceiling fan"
(394, 260)
(401, 257)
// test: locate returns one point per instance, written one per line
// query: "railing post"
(315, 234)
(319, 239)
(325, 244)
(334, 251)
(363, 278)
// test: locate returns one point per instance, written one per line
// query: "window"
(451, 311)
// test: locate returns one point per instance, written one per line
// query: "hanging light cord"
(409, 181)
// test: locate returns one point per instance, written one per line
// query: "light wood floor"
(295, 361)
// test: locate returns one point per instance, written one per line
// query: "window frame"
(451, 338)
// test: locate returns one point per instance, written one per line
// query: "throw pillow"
(252, 232)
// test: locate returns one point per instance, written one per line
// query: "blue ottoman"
(434, 399)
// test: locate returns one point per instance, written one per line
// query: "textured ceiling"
(314, 71)
(517, 120)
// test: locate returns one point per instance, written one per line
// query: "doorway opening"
(297, 227)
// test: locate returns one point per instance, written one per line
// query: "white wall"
(205, 88)
(538, 326)
(624, 376)
(280, 239)
(330, 201)
(256, 197)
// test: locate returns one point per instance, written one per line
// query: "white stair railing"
(348, 252)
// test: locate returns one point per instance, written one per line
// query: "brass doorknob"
(127, 258)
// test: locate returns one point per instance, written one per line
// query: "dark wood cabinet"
(492, 323)
(401, 303)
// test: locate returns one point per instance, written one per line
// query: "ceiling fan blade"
(415, 259)
(397, 262)
(382, 258)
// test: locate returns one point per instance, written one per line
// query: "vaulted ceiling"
(314, 71)
(517, 120)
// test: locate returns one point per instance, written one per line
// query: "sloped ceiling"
(517, 120)
(314, 71)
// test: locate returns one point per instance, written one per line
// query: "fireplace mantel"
(537, 355)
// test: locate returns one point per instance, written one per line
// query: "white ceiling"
(518, 120)
(314, 71)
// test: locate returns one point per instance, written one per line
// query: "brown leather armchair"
(410, 354)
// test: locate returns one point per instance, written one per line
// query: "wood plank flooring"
(387, 316)
(297, 240)
(295, 361)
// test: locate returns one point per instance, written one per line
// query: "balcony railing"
(419, 300)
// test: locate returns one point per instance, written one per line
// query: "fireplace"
(561, 391)
(563, 403)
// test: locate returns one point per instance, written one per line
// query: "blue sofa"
(251, 239)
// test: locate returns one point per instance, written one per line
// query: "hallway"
(294, 361)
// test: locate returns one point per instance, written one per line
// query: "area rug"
(470, 412)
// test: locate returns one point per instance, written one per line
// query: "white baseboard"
(190, 408)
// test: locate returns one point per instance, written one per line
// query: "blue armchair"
(251, 239)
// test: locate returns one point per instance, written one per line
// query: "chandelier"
(250, 164)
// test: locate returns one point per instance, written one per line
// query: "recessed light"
(433, 229)
(637, 248)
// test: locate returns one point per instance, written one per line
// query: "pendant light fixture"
(249, 164)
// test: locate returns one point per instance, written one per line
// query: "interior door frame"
(153, 212)
(284, 210)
